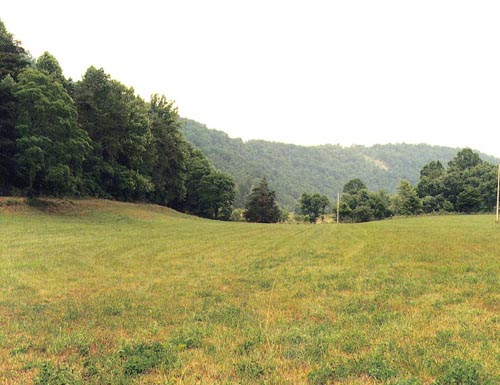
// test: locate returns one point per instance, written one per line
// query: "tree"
(7, 134)
(409, 202)
(13, 57)
(48, 64)
(431, 179)
(261, 204)
(217, 195)
(360, 205)
(116, 120)
(209, 193)
(354, 186)
(51, 147)
(170, 153)
(313, 205)
(465, 159)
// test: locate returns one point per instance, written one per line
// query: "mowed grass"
(96, 292)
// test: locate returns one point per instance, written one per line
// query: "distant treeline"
(291, 170)
(467, 185)
(96, 137)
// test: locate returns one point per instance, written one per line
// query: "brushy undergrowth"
(96, 292)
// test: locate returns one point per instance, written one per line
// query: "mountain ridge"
(292, 169)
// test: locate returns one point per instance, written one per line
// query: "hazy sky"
(305, 72)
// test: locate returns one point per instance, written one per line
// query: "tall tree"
(48, 63)
(170, 151)
(50, 145)
(261, 204)
(218, 195)
(209, 193)
(354, 186)
(117, 122)
(408, 201)
(465, 159)
(13, 59)
(7, 135)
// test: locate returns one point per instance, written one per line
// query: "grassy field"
(97, 292)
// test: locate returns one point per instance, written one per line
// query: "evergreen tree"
(261, 204)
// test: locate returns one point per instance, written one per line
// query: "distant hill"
(292, 170)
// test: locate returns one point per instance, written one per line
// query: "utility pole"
(338, 205)
(498, 191)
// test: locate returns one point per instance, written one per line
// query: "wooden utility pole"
(338, 205)
(498, 191)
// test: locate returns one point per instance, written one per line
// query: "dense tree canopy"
(467, 185)
(96, 137)
(293, 169)
(51, 147)
(358, 204)
(313, 206)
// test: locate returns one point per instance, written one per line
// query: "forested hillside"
(96, 138)
(292, 170)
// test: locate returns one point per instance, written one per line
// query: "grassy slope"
(83, 284)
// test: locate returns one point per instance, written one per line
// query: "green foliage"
(460, 372)
(7, 135)
(250, 369)
(139, 358)
(293, 169)
(313, 206)
(117, 122)
(170, 153)
(48, 64)
(354, 186)
(407, 201)
(357, 204)
(51, 374)
(13, 57)
(261, 206)
(327, 374)
(50, 145)
(210, 193)
(379, 368)
(467, 185)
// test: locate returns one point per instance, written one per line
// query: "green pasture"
(96, 292)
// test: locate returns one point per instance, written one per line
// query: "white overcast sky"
(304, 72)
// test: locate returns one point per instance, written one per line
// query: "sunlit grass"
(105, 292)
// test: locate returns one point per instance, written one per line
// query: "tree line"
(96, 137)
(292, 169)
(467, 185)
